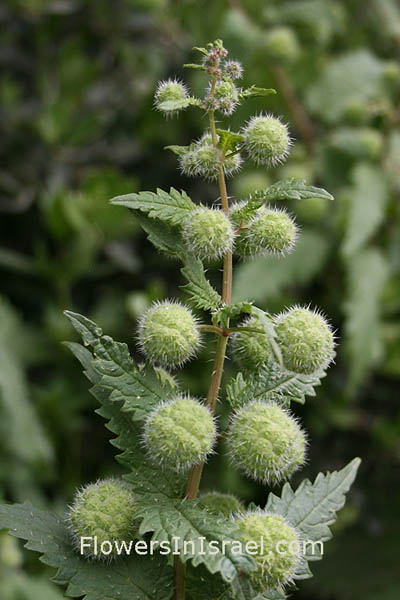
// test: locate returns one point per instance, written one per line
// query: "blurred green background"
(78, 127)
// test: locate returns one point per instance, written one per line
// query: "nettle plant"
(208, 545)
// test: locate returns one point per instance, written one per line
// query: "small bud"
(180, 433)
(270, 231)
(168, 334)
(251, 350)
(233, 69)
(220, 504)
(279, 550)
(306, 340)
(267, 140)
(266, 442)
(281, 45)
(103, 510)
(208, 233)
(168, 96)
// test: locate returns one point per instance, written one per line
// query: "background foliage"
(77, 128)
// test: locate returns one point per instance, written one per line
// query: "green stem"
(193, 484)
(211, 329)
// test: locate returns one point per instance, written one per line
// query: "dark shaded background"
(78, 127)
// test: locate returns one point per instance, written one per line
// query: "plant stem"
(193, 484)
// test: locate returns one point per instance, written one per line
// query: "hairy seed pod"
(281, 45)
(208, 233)
(168, 96)
(270, 231)
(267, 140)
(179, 433)
(266, 442)
(251, 350)
(233, 69)
(188, 163)
(220, 504)
(103, 510)
(207, 161)
(306, 340)
(168, 334)
(278, 548)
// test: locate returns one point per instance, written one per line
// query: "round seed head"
(267, 140)
(306, 340)
(207, 161)
(270, 231)
(220, 504)
(103, 510)
(278, 553)
(233, 69)
(168, 334)
(251, 350)
(168, 96)
(266, 442)
(208, 233)
(180, 433)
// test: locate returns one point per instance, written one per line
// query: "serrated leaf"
(228, 140)
(126, 394)
(165, 238)
(312, 508)
(289, 189)
(255, 92)
(178, 150)
(267, 323)
(367, 274)
(173, 207)
(183, 521)
(368, 198)
(232, 311)
(200, 291)
(47, 534)
(271, 384)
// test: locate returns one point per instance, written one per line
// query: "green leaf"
(178, 150)
(232, 311)
(180, 521)
(175, 105)
(312, 508)
(194, 66)
(368, 197)
(255, 92)
(164, 237)
(267, 323)
(127, 393)
(172, 207)
(22, 432)
(289, 189)
(271, 384)
(348, 82)
(367, 275)
(46, 533)
(228, 140)
(200, 291)
(268, 277)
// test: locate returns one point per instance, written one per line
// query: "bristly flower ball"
(267, 140)
(306, 340)
(279, 548)
(168, 334)
(180, 433)
(233, 69)
(103, 510)
(217, 503)
(208, 233)
(266, 442)
(269, 231)
(171, 96)
(251, 350)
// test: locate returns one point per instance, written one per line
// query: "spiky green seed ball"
(226, 89)
(208, 233)
(281, 45)
(168, 334)
(179, 433)
(278, 548)
(270, 231)
(267, 140)
(266, 442)
(170, 96)
(306, 340)
(251, 350)
(220, 504)
(103, 510)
